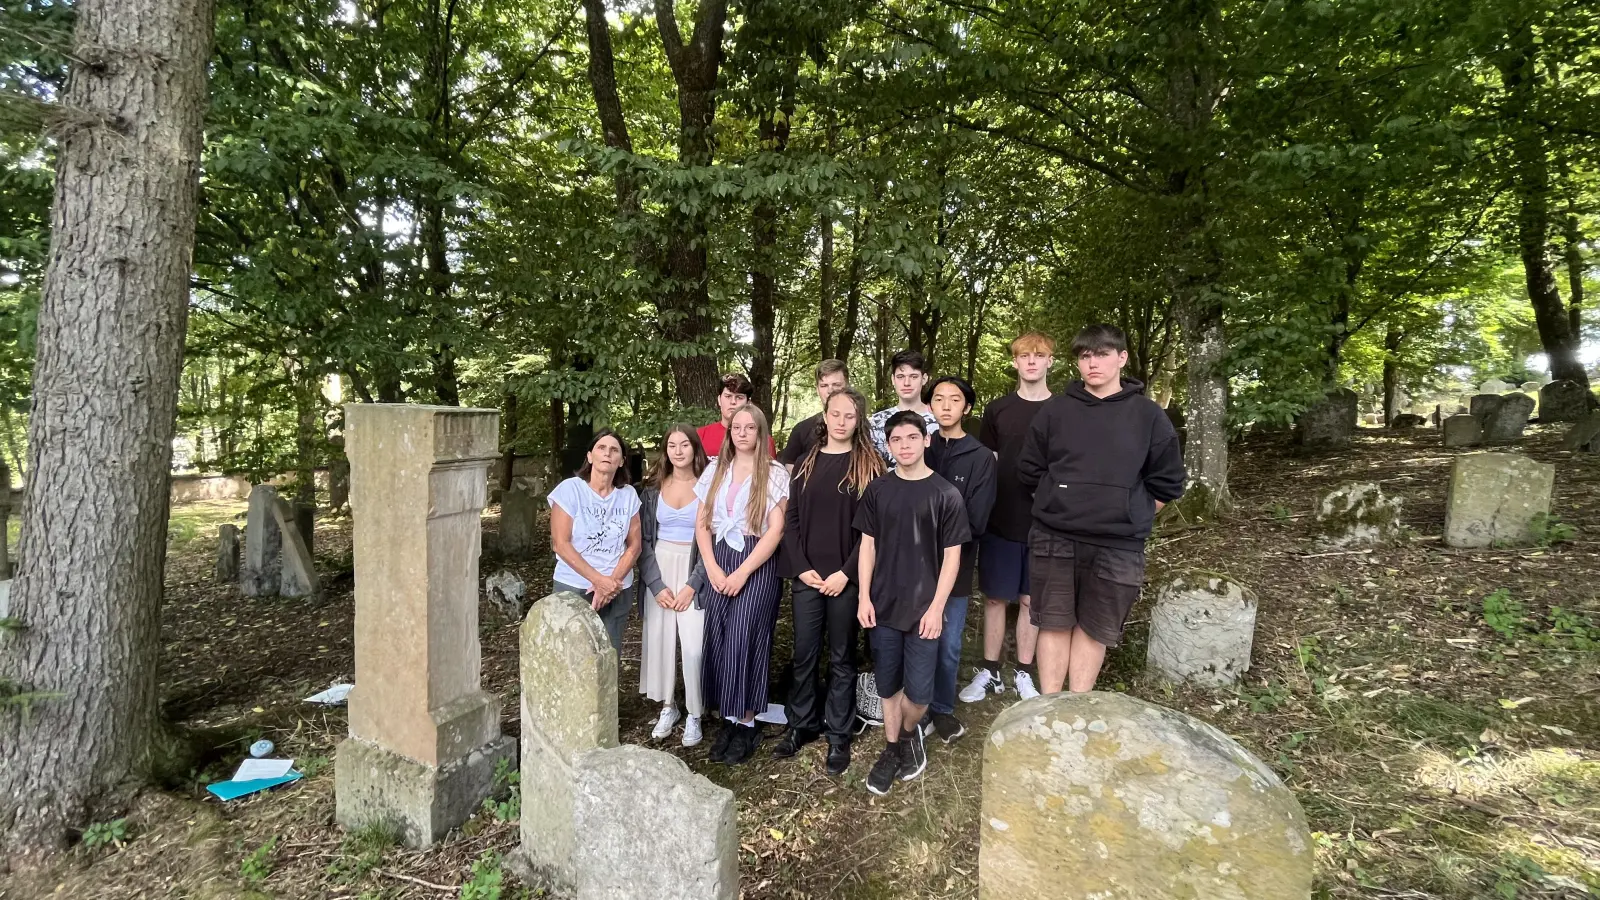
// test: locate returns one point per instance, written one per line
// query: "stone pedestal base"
(372, 784)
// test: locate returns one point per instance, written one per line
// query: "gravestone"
(1585, 435)
(652, 828)
(1407, 421)
(1493, 497)
(1483, 405)
(1330, 422)
(506, 592)
(1357, 515)
(1102, 796)
(261, 574)
(1494, 386)
(227, 553)
(305, 522)
(1462, 431)
(1201, 630)
(424, 736)
(518, 522)
(1563, 401)
(297, 568)
(1530, 387)
(1506, 421)
(569, 707)
(338, 477)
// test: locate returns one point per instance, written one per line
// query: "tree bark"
(852, 300)
(1574, 265)
(1531, 181)
(105, 387)
(1392, 338)
(825, 286)
(773, 130)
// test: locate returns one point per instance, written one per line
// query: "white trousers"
(666, 630)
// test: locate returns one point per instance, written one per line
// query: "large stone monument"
(1493, 497)
(261, 575)
(1563, 401)
(424, 736)
(1102, 796)
(1330, 422)
(1201, 630)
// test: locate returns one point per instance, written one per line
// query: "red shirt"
(711, 437)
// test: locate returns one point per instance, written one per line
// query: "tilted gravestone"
(227, 553)
(1102, 796)
(652, 828)
(1506, 421)
(1357, 515)
(1493, 497)
(569, 707)
(424, 736)
(1484, 404)
(261, 575)
(1462, 431)
(518, 522)
(297, 568)
(1585, 435)
(1201, 630)
(1330, 422)
(1563, 401)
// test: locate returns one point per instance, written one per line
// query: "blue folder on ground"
(232, 790)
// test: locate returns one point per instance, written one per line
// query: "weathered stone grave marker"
(228, 553)
(1201, 630)
(1357, 514)
(297, 569)
(261, 574)
(1563, 401)
(1585, 435)
(424, 736)
(1330, 422)
(519, 518)
(506, 593)
(1462, 431)
(1493, 497)
(1507, 420)
(1102, 796)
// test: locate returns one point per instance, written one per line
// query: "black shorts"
(1078, 585)
(904, 660)
(1002, 568)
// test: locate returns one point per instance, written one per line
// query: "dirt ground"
(1442, 747)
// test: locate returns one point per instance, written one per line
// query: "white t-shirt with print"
(880, 441)
(728, 512)
(599, 527)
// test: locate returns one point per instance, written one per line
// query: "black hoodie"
(970, 466)
(1097, 465)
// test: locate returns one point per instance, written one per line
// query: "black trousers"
(814, 616)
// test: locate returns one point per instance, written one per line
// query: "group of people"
(878, 522)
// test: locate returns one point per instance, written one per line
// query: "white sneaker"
(982, 685)
(669, 718)
(1025, 688)
(691, 731)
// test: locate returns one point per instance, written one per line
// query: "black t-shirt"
(911, 523)
(801, 439)
(818, 531)
(1004, 429)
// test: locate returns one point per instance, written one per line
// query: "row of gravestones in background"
(1332, 422)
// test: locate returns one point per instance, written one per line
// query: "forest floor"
(1440, 748)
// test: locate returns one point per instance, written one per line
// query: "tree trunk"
(1531, 181)
(825, 286)
(509, 457)
(880, 351)
(774, 136)
(852, 300)
(1391, 371)
(1574, 264)
(308, 434)
(105, 387)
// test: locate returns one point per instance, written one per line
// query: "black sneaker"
(881, 778)
(743, 746)
(947, 726)
(914, 756)
(793, 740)
(838, 757)
(719, 747)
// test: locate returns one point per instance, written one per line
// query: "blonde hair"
(756, 514)
(1033, 342)
(865, 463)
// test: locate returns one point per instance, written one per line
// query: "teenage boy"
(909, 371)
(1103, 459)
(1003, 549)
(969, 466)
(832, 375)
(912, 525)
(736, 392)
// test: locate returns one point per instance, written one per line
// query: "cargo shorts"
(1079, 585)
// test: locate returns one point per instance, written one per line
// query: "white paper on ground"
(254, 769)
(774, 715)
(332, 696)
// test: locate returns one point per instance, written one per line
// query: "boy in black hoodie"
(1102, 458)
(962, 460)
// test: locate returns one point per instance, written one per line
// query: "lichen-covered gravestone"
(1462, 431)
(1201, 630)
(569, 707)
(1585, 435)
(1494, 497)
(1330, 422)
(1506, 421)
(652, 828)
(1355, 515)
(505, 592)
(1563, 401)
(1102, 796)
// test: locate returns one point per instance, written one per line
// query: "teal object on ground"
(232, 790)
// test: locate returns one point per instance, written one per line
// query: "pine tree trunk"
(105, 385)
